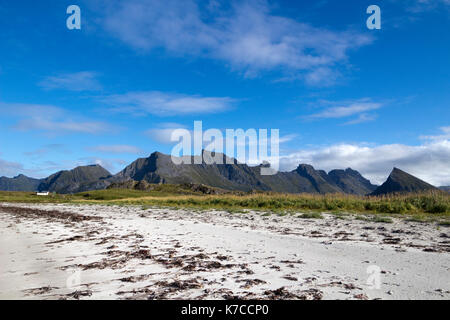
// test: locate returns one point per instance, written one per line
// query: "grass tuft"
(310, 215)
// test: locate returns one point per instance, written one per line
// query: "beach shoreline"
(72, 251)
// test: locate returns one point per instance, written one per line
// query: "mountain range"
(19, 183)
(159, 168)
(232, 175)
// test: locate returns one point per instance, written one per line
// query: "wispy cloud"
(45, 168)
(419, 6)
(359, 108)
(29, 110)
(341, 112)
(246, 35)
(112, 165)
(117, 149)
(363, 117)
(9, 169)
(166, 104)
(441, 137)
(47, 149)
(412, 11)
(53, 125)
(322, 77)
(78, 81)
(163, 132)
(51, 119)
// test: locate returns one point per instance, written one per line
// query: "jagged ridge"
(159, 168)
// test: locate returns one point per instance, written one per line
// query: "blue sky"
(342, 95)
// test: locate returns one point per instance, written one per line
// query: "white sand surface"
(130, 252)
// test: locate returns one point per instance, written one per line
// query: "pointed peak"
(158, 155)
(95, 165)
(155, 154)
(396, 172)
(402, 182)
(305, 169)
(304, 166)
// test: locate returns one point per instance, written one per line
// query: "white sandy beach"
(112, 252)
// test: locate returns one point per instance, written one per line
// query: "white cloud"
(358, 111)
(346, 111)
(116, 149)
(112, 165)
(166, 104)
(429, 162)
(79, 81)
(29, 110)
(47, 149)
(322, 76)
(50, 119)
(51, 125)
(419, 6)
(246, 35)
(163, 132)
(9, 169)
(45, 168)
(363, 117)
(441, 137)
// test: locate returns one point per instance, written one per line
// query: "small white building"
(42, 193)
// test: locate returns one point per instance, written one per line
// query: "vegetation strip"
(426, 203)
(37, 213)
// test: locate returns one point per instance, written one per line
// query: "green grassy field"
(425, 204)
(98, 195)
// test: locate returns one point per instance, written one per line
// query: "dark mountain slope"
(80, 179)
(19, 183)
(319, 179)
(402, 182)
(351, 181)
